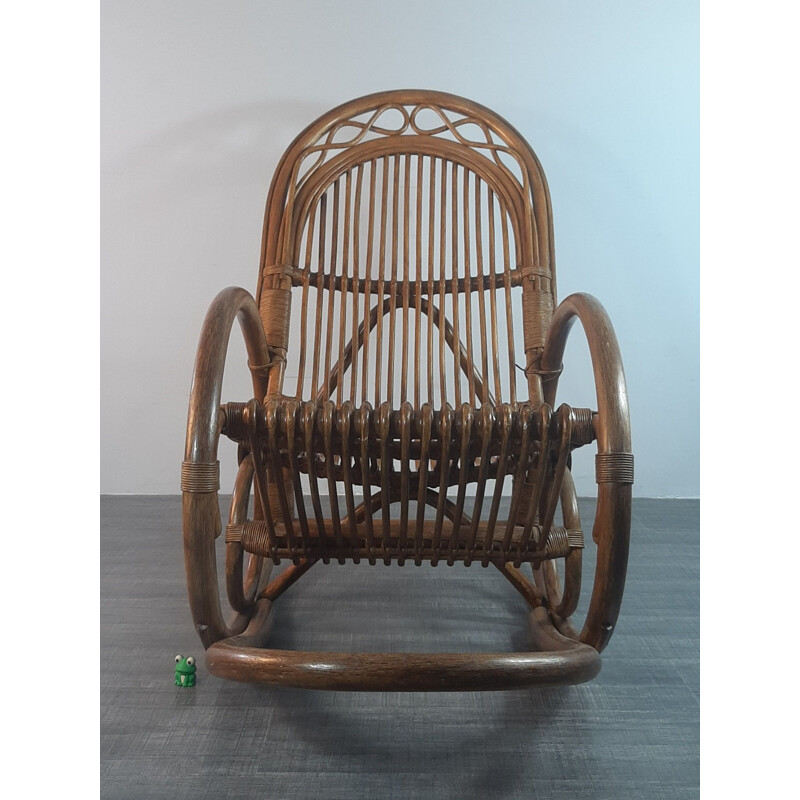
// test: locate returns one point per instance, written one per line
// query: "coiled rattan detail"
(538, 306)
(199, 476)
(275, 305)
(234, 427)
(560, 541)
(614, 467)
(582, 427)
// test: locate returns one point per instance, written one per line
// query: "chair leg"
(287, 578)
(532, 594)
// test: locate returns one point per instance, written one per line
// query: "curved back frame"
(408, 218)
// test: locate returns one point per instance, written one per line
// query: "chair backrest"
(406, 233)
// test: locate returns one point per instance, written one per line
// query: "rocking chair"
(408, 239)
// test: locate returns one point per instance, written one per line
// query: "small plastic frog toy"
(185, 671)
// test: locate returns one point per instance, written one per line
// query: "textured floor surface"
(632, 732)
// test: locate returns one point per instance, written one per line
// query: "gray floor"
(632, 732)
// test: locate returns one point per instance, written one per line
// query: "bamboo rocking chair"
(408, 238)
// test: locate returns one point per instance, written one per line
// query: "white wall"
(200, 98)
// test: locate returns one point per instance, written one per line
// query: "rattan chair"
(408, 240)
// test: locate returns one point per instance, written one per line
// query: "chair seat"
(412, 456)
(470, 441)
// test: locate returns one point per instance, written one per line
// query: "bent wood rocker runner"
(408, 237)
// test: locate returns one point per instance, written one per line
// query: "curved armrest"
(614, 461)
(200, 469)
(202, 432)
(614, 434)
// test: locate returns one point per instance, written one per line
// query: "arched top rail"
(439, 124)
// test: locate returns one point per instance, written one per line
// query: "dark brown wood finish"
(559, 662)
(410, 233)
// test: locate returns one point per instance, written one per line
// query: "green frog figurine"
(185, 671)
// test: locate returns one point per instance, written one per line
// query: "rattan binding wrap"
(614, 467)
(199, 477)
